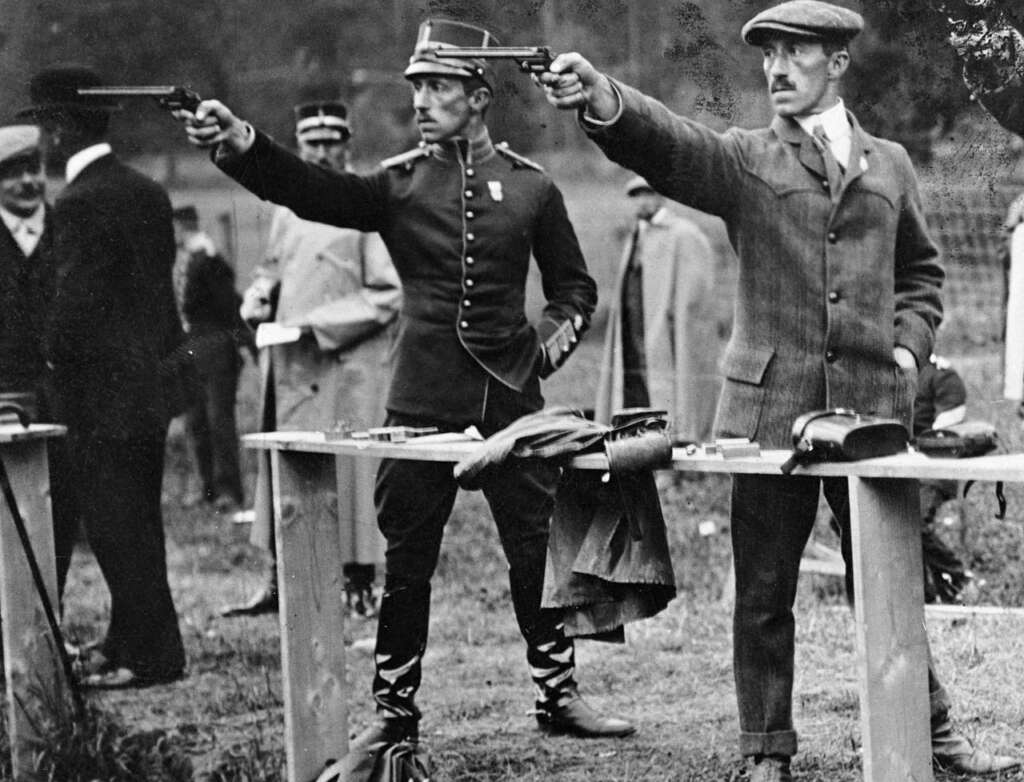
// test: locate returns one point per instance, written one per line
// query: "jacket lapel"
(861, 148)
(790, 132)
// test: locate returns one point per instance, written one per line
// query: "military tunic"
(460, 220)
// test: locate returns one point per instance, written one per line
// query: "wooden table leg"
(35, 678)
(892, 646)
(311, 611)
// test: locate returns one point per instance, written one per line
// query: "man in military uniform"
(837, 305)
(461, 217)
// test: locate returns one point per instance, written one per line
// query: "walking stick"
(33, 566)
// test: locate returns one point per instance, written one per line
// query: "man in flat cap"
(461, 217)
(112, 319)
(659, 341)
(338, 287)
(837, 305)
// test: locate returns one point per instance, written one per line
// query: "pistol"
(170, 97)
(530, 59)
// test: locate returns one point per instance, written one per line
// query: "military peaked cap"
(434, 35)
(55, 89)
(322, 121)
(16, 140)
(805, 19)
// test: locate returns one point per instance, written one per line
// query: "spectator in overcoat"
(338, 287)
(660, 341)
(112, 320)
(837, 303)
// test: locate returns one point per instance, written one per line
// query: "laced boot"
(953, 752)
(560, 709)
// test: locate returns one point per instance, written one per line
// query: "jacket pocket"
(746, 370)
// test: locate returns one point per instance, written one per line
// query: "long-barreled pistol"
(530, 59)
(170, 97)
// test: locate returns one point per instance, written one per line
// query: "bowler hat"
(805, 19)
(638, 185)
(54, 90)
(434, 35)
(16, 140)
(322, 121)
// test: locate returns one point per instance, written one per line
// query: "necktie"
(25, 236)
(832, 170)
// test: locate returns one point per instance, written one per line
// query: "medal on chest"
(494, 188)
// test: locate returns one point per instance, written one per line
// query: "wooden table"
(35, 678)
(889, 598)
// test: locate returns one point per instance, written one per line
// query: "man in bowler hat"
(461, 217)
(112, 320)
(837, 305)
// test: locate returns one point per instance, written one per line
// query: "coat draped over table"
(827, 286)
(342, 285)
(680, 330)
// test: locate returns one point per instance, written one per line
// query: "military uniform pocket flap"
(747, 364)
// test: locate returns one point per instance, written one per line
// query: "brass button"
(466, 302)
(470, 237)
(831, 356)
(832, 237)
(833, 296)
(469, 283)
(470, 172)
(469, 260)
(469, 214)
(469, 194)
(463, 324)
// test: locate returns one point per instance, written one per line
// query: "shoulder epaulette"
(518, 160)
(407, 159)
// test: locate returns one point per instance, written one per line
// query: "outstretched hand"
(571, 83)
(213, 124)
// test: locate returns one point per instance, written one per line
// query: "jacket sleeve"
(569, 290)
(313, 192)
(680, 158)
(346, 321)
(918, 274)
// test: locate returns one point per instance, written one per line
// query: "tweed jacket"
(113, 312)
(23, 309)
(680, 331)
(826, 288)
(460, 221)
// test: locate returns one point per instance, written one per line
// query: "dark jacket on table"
(460, 222)
(819, 280)
(113, 312)
(23, 306)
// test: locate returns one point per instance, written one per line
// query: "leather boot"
(578, 718)
(953, 752)
(770, 768)
(364, 749)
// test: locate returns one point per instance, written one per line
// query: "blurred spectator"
(941, 401)
(659, 348)
(204, 288)
(112, 321)
(338, 289)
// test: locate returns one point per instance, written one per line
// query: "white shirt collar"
(837, 129)
(78, 161)
(35, 222)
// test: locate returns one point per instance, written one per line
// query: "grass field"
(673, 676)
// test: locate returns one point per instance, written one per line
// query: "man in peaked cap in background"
(461, 217)
(112, 320)
(340, 288)
(837, 305)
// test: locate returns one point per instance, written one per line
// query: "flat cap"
(322, 120)
(16, 140)
(637, 185)
(805, 19)
(434, 35)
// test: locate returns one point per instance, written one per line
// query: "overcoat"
(680, 331)
(827, 287)
(342, 285)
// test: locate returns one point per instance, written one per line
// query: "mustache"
(782, 84)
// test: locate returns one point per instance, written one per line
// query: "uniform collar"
(79, 161)
(475, 150)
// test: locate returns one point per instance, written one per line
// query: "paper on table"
(268, 334)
